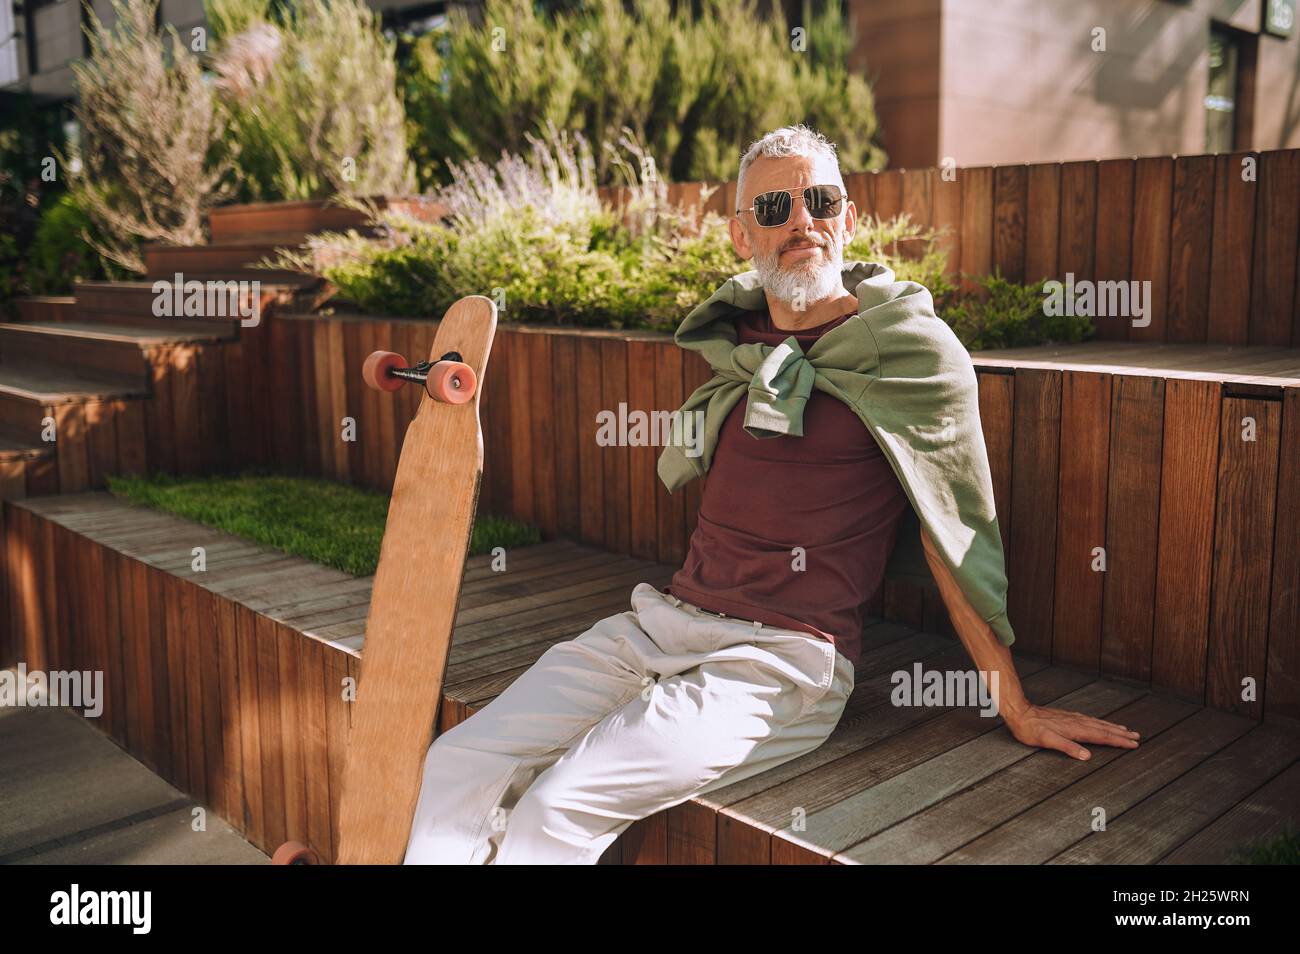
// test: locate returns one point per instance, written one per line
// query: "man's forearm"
(978, 637)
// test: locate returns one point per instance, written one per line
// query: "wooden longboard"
(413, 606)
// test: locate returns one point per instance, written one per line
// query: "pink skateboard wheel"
(451, 382)
(375, 371)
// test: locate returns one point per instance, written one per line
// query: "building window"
(1221, 94)
(10, 37)
(1230, 91)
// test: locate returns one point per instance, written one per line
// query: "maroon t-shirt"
(831, 492)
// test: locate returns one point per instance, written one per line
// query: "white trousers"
(641, 712)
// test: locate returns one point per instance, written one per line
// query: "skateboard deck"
(414, 601)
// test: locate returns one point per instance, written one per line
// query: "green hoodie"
(904, 373)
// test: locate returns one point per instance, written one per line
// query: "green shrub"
(532, 232)
(1282, 848)
(11, 274)
(1010, 315)
(60, 254)
(311, 93)
(30, 134)
(910, 249)
(335, 524)
(680, 76)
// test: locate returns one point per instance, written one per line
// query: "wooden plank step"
(45, 384)
(1259, 364)
(17, 447)
(259, 220)
(943, 828)
(83, 407)
(21, 458)
(42, 342)
(892, 784)
(294, 221)
(46, 307)
(221, 260)
(1261, 815)
(1177, 811)
(135, 352)
(132, 303)
(141, 335)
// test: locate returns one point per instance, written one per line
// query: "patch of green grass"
(335, 524)
(1282, 848)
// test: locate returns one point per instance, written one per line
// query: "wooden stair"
(132, 303)
(121, 390)
(129, 391)
(289, 223)
(74, 405)
(224, 261)
(23, 460)
(117, 349)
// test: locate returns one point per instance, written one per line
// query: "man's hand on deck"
(1040, 726)
(1063, 729)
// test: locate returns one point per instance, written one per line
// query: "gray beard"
(816, 285)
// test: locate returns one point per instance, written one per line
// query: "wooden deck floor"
(1243, 364)
(891, 785)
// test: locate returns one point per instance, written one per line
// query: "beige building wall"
(1019, 80)
(58, 42)
(897, 46)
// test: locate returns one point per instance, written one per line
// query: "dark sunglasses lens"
(772, 208)
(823, 201)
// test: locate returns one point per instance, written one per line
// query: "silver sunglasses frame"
(792, 194)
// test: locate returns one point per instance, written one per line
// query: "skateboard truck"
(449, 379)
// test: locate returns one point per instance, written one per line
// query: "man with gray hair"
(860, 411)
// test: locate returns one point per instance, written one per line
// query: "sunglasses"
(773, 208)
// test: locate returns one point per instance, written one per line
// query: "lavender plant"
(532, 231)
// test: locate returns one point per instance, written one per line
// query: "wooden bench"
(228, 683)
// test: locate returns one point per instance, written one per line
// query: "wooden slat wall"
(1080, 460)
(1035, 465)
(1190, 236)
(1112, 253)
(1153, 189)
(1215, 238)
(1243, 548)
(1132, 510)
(1185, 547)
(1274, 288)
(1084, 464)
(241, 711)
(1232, 248)
(1283, 678)
(1042, 221)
